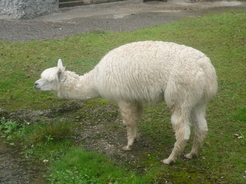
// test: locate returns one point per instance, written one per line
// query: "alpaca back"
(142, 71)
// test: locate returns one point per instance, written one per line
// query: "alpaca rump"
(146, 72)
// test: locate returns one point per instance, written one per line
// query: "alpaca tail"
(211, 82)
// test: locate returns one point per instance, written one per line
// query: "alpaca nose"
(35, 85)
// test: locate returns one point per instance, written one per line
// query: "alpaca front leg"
(131, 136)
(130, 112)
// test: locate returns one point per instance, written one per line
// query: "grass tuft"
(50, 132)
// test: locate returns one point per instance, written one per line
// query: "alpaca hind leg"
(131, 113)
(200, 127)
(180, 122)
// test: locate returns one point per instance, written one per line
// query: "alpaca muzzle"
(36, 86)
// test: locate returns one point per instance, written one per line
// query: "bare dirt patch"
(14, 169)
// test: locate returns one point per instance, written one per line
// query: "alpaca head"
(50, 78)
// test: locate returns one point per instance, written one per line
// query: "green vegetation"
(80, 166)
(8, 129)
(221, 37)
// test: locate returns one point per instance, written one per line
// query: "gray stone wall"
(90, 2)
(26, 9)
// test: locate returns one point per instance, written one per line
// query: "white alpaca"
(146, 72)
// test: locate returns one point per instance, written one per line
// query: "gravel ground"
(114, 17)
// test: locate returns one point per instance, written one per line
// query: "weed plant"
(9, 129)
(221, 37)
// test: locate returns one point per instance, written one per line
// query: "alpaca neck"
(78, 87)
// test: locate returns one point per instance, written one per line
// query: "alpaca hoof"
(190, 155)
(167, 161)
(126, 148)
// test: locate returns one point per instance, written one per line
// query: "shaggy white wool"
(146, 72)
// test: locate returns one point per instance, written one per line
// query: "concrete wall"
(26, 9)
(89, 2)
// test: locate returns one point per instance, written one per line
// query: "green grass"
(222, 37)
(80, 166)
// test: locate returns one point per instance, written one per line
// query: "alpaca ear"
(61, 69)
(59, 64)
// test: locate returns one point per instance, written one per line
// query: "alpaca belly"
(143, 94)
